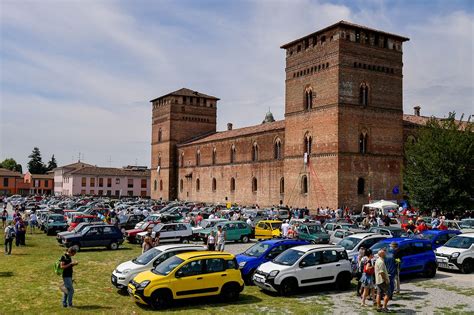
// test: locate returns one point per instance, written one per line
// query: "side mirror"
(303, 264)
(179, 274)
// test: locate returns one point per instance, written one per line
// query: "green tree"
(11, 164)
(439, 171)
(36, 165)
(52, 164)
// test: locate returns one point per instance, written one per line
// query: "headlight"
(273, 274)
(242, 264)
(143, 284)
(126, 271)
(455, 255)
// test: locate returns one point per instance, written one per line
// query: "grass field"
(29, 285)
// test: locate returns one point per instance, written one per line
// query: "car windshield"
(146, 257)
(465, 224)
(288, 257)
(167, 266)
(349, 243)
(58, 218)
(256, 250)
(379, 246)
(427, 236)
(399, 233)
(460, 242)
(276, 226)
(158, 227)
(204, 224)
(313, 229)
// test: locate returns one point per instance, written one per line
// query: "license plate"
(443, 265)
(114, 279)
(258, 279)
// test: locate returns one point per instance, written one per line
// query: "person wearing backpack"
(368, 276)
(66, 264)
(9, 236)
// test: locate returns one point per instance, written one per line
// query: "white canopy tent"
(381, 207)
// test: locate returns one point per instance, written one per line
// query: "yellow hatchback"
(188, 275)
(266, 229)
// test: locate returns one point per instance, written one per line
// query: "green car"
(55, 223)
(314, 233)
(235, 231)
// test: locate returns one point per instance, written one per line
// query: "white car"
(147, 261)
(169, 232)
(207, 223)
(457, 253)
(302, 266)
(353, 243)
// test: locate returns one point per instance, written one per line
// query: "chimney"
(417, 110)
(229, 126)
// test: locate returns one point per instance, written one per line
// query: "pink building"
(85, 179)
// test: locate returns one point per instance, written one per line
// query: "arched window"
(232, 154)
(364, 94)
(214, 156)
(198, 184)
(182, 159)
(214, 184)
(360, 186)
(155, 185)
(304, 184)
(363, 137)
(232, 184)
(277, 149)
(161, 185)
(254, 184)
(160, 135)
(181, 185)
(198, 158)
(308, 99)
(282, 185)
(255, 152)
(308, 143)
(159, 160)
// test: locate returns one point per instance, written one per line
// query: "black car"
(131, 221)
(109, 236)
(76, 230)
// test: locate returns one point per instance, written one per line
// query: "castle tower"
(343, 115)
(177, 117)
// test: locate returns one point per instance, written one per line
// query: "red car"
(82, 218)
(132, 234)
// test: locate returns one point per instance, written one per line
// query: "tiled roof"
(109, 171)
(75, 165)
(187, 92)
(422, 120)
(42, 176)
(7, 172)
(271, 126)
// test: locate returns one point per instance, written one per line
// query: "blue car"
(438, 237)
(262, 252)
(417, 255)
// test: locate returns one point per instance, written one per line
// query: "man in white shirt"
(145, 212)
(249, 221)
(284, 228)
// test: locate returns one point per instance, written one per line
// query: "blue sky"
(76, 76)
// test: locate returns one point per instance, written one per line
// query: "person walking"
(4, 217)
(211, 241)
(393, 268)
(382, 282)
(33, 221)
(221, 236)
(367, 279)
(360, 269)
(9, 236)
(66, 265)
(284, 228)
(147, 244)
(20, 232)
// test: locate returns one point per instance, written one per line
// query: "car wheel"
(288, 287)
(245, 239)
(343, 281)
(430, 270)
(160, 300)
(114, 245)
(184, 241)
(467, 266)
(230, 292)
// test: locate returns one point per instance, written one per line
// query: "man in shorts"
(382, 281)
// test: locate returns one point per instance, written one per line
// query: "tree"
(11, 165)
(36, 165)
(439, 171)
(52, 164)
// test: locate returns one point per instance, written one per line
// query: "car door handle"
(318, 267)
(337, 265)
(200, 278)
(224, 275)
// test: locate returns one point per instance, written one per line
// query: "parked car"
(303, 266)
(82, 218)
(338, 235)
(354, 242)
(457, 253)
(54, 223)
(235, 231)
(131, 221)
(169, 232)
(77, 229)
(467, 224)
(188, 275)
(131, 235)
(266, 229)
(126, 271)
(438, 237)
(109, 236)
(206, 223)
(313, 233)
(392, 231)
(262, 252)
(332, 226)
(417, 255)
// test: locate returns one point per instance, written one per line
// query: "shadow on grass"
(91, 307)
(5, 274)
(99, 249)
(315, 290)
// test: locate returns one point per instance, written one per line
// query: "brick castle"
(341, 141)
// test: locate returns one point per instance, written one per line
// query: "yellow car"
(266, 229)
(188, 275)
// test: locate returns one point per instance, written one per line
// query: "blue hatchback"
(417, 255)
(262, 252)
(438, 237)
